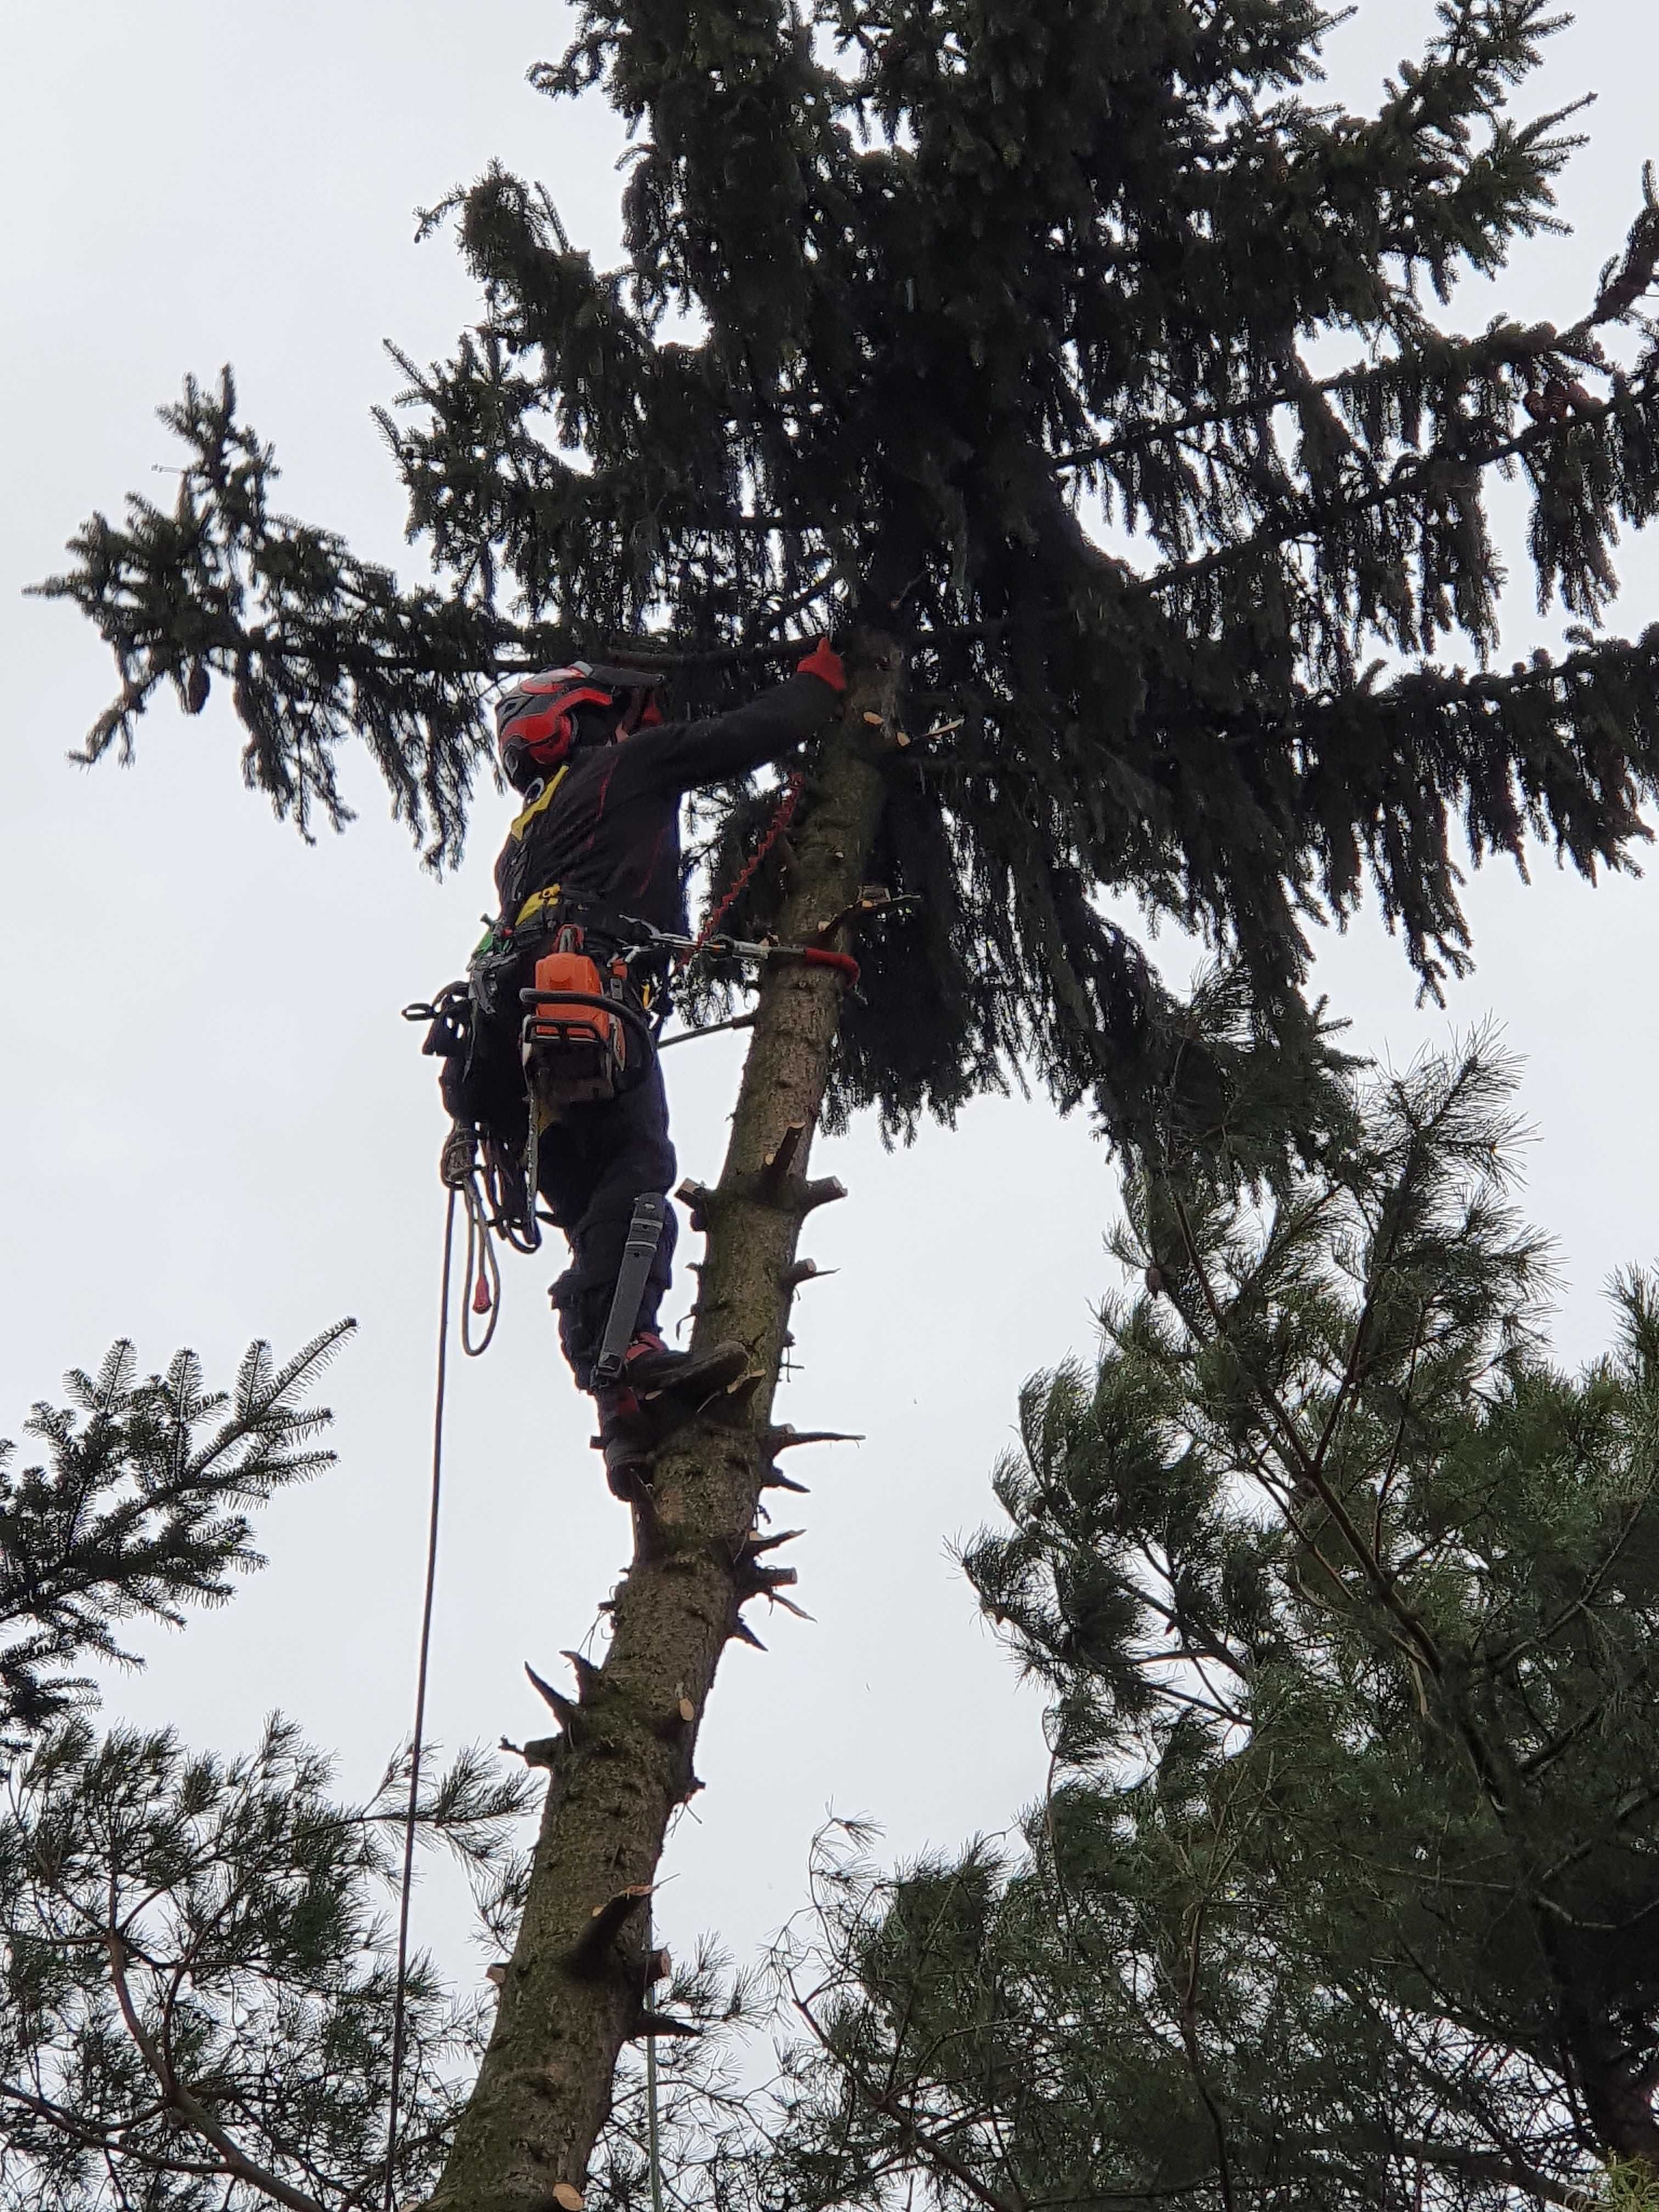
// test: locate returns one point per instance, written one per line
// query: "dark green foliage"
(141, 1509)
(199, 1975)
(196, 1962)
(944, 296)
(1347, 1603)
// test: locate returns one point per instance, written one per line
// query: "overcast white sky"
(215, 1127)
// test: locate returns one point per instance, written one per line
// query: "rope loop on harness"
(483, 1277)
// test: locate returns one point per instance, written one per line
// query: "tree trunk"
(575, 1990)
(1617, 2102)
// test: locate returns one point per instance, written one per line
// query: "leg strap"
(644, 1235)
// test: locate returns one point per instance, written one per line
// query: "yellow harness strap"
(537, 903)
(517, 827)
(540, 900)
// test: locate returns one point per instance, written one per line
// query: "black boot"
(658, 1391)
(651, 1368)
(628, 1437)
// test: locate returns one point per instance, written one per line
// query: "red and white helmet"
(536, 715)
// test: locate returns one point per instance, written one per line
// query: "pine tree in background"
(1347, 1601)
(922, 306)
(196, 1967)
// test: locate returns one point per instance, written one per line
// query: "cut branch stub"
(786, 1437)
(824, 1191)
(755, 1579)
(806, 1271)
(607, 1923)
(672, 1725)
(696, 1198)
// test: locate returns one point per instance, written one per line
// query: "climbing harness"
(586, 1026)
(401, 1987)
(591, 1026)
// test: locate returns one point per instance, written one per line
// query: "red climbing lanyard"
(746, 875)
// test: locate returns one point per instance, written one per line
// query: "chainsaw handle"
(625, 1015)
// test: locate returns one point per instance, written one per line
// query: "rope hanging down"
(401, 1988)
(483, 1276)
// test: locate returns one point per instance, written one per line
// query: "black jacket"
(606, 830)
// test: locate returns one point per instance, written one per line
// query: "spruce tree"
(919, 304)
(1347, 1601)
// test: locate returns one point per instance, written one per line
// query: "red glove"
(824, 662)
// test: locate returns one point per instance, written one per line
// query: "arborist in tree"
(549, 1048)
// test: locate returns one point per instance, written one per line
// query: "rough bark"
(574, 1990)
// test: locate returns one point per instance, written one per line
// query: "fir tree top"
(945, 299)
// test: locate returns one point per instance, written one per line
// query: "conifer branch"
(913, 2132)
(179, 2099)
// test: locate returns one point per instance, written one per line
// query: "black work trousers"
(592, 1163)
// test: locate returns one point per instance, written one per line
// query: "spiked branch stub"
(786, 1437)
(776, 1597)
(607, 1923)
(745, 1634)
(651, 1537)
(805, 1270)
(562, 1708)
(757, 1543)
(775, 1478)
(781, 1158)
(589, 1679)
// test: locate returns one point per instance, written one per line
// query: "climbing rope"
(746, 875)
(400, 1990)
